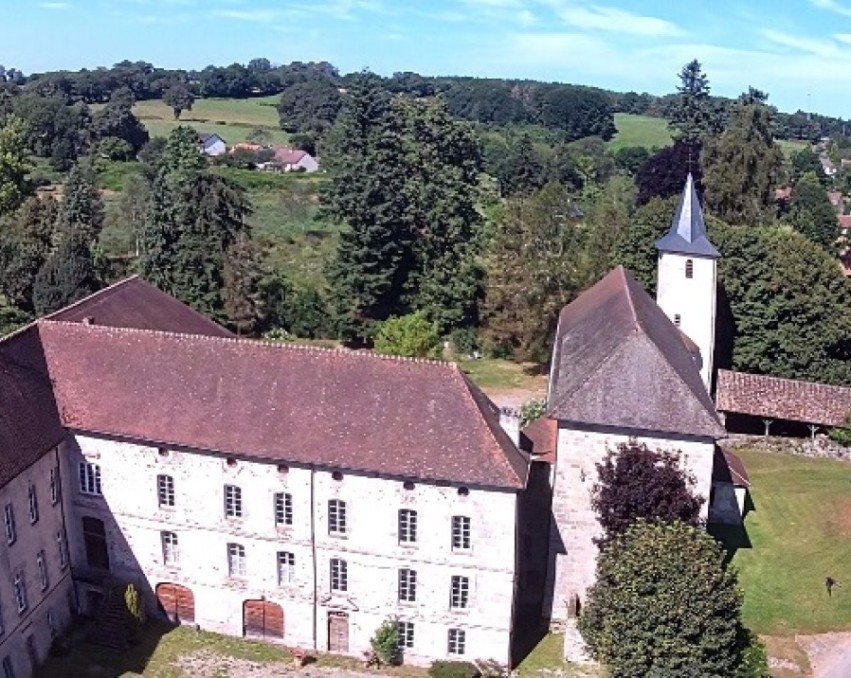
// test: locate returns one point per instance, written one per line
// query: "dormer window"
(689, 269)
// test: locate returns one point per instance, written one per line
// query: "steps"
(113, 622)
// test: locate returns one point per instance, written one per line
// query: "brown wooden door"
(94, 536)
(338, 632)
(178, 602)
(262, 619)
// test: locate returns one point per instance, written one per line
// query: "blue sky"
(797, 50)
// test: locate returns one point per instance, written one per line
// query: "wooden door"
(178, 603)
(338, 632)
(262, 619)
(94, 536)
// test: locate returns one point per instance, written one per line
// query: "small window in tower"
(677, 319)
(689, 268)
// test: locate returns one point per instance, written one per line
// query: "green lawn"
(546, 660)
(790, 146)
(800, 533)
(493, 374)
(640, 130)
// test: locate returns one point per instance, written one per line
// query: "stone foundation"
(819, 447)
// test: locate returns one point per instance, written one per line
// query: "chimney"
(510, 421)
(89, 320)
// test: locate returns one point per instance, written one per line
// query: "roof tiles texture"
(618, 361)
(774, 398)
(687, 234)
(340, 409)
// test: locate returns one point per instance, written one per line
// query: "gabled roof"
(759, 395)
(729, 468)
(137, 304)
(288, 156)
(688, 230)
(618, 361)
(540, 439)
(331, 408)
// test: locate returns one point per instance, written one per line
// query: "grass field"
(640, 130)
(790, 146)
(800, 533)
(231, 119)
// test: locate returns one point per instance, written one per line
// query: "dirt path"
(513, 398)
(829, 653)
(205, 664)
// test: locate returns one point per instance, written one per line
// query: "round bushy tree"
(664, 605)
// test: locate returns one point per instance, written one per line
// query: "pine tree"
(82, 210)
(67, 276)
(241, 286)
(692, 117)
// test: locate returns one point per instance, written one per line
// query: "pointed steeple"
(688, 232)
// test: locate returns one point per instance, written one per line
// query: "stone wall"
(821, 446)
(371, 547)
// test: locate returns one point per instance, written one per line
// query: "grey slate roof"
(688, 231)
(618, 361)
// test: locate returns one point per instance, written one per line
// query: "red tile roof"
(303, 405)
(288, 156)
(540, 439)
(775, 398)
(844, 220)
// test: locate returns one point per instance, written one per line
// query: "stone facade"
(38, 554)
(135, 522)
(686, 292)
(575, 525)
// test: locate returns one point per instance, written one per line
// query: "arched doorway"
(94, 537)
(177, 602)
(262, 619)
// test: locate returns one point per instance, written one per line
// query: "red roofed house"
(293, 160)
(289, 493)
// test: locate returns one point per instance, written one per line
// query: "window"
(283, 508)
(54, 485)
(461, 533)
(20, 588)
(171, 554)
(689, 268)
(236, 560)
(336, 517)
(460, 593)
(677, 319)
(407, 526)
(63, 554)
(339, 575)
(405, 632)
(41, 565)
(165, 490)
(286, 567)
(90, 478)
(233, 501)
(457, 641)
(407, 586)
(9, 518)
(33, 500)
(8, 670)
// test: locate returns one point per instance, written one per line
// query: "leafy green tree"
(67, 276)
(637, 483)
(179, 98)
(811, 212)
(692, 117)
(520, 169)
(636, 245)
(241, 286)
(607, 220)
(14, 164)
(532, 271)
(82, 209)
(117, 121)
(631, 158)
(804, 161)
(411, 335)
(577, 111)
(179, 157)
(310, 106)
(741, 167)
(664, 605)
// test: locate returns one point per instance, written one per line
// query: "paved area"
(829, 653)
(210, 665)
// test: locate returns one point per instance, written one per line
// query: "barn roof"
(618, 361)
(775, 398)
(687, 234)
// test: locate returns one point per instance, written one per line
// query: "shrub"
(531, 410)
(408, 335)
(754, 661)
(385, 642)
(444, 669)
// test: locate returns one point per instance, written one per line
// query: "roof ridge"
(292, 346)
(629, 300)
(108, 288)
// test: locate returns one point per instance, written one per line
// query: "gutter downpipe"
(313, 555)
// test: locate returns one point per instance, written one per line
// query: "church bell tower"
(687, 276)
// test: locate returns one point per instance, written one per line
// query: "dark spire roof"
(688, 232)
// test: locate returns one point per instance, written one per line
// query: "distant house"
(212, 144)
(245, 146)
(289, 159)
(844, 224)
(837, 200)
(827, 166)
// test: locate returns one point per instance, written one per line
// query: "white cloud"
(824, 47)
(254, 15)
(602, 18)
(832, 6)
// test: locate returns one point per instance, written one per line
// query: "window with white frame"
(33, 502)
(407, 586)
(62, 548)
(171, 553)
(19, 586)
(89, 475)
(460, 533)
(54, 485)
(9, 519)
(236, 560)
(286, 567)
(405, 632)
(41, 566)
(165, 490)
(339, 575)
(460, 595)
(233, 501)
(283, 509)
(8, 669)
(407, 526)
(457, 641)
(336, 516)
